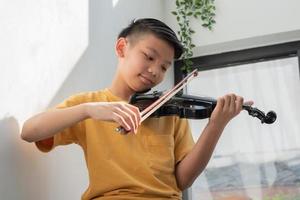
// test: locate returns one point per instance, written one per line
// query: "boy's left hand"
(227, 108)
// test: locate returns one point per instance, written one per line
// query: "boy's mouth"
(146, 80)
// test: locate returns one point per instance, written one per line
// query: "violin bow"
(164, 98)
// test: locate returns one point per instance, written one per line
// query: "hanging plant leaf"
(199, 9)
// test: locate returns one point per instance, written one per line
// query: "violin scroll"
(268, 118)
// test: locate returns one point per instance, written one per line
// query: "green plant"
(204, 10)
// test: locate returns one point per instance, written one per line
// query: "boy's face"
(144, 60)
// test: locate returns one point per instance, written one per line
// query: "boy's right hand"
(126, 115)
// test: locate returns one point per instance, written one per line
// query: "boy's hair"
(156, 27)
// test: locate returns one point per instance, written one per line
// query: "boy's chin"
(144, 90)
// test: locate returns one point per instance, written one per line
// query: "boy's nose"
(152, 71)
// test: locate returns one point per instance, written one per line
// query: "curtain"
(253, 160)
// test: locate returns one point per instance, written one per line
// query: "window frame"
(239, 57)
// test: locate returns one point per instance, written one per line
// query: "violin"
(169, 103)
(191, 107)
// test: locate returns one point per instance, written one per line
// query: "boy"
(158, 158)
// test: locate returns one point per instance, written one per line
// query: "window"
(253, 160)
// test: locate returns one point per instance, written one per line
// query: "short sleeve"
(67, 136)
(183, 139)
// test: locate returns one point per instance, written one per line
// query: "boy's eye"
(164, 68)
(148, 57)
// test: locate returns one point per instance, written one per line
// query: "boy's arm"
(47, 124)
(196, 160)
(188, 169)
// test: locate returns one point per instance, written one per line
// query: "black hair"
(156, 27)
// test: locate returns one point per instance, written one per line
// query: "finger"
(249, 103)
(133, 115)
(239, 103)
(129, 120)
(227, 102)
(121, 121)
(220, 103)
(136, 113)
(232, 106)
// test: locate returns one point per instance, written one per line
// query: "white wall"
(49, 50)
(40, 43)
(244, 24)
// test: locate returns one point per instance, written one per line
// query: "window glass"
(253, 160)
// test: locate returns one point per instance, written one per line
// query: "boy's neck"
(119, 93)
(119, 89)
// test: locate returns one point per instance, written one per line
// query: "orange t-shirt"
(140, 166)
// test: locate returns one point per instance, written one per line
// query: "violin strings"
(163, 99)
(168, 93)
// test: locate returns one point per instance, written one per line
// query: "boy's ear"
(120, 46)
